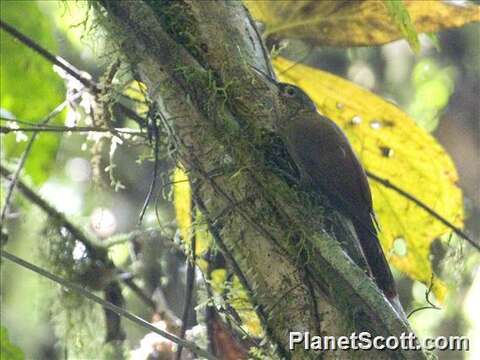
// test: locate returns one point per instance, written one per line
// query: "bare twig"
(62, 129)
(23, 122)
(127, 237)
(96, 250)
(431, 305)
(56, 60)
(153, 131)
(108, 305)
(302, 60)
(140, 293)
(23, 159)
(209, 310)
(189, 285)
(67, 67)
(223, 247)
(425, 207)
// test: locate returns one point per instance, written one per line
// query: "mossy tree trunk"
(194, 57)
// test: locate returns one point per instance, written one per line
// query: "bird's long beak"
(272, 83)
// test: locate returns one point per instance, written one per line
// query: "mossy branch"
(195, 57)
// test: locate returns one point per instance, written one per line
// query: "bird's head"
(290, 100)
(295, 97)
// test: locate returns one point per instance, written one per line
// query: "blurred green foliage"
(29, 88)
(9, 351)
(433, 85)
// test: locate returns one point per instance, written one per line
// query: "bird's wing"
(360, 174)
(323, 152)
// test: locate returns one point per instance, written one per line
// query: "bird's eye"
(289, 91)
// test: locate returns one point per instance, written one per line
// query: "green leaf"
(400, 15)
(29, 88)
(8, 351)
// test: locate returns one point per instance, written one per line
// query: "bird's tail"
(377, 262)
(395, 302)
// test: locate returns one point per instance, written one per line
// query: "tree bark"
(195, 57)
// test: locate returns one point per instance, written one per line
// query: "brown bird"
(328, 165)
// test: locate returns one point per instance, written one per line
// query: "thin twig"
(301, 61)
(228, 256)
(23, 159)
(56, 60)
(13, 181)
(67, 67)
(6, 130)
(23, 122)
(108, 305)
(190, 283)
(127, 237)
(97, 250)
(431, 305)
(209, 306)
(125, 110)
(140, 293)
(232, 201)
(219, 241)
(425, 207)
(153, 131)
(281, 298)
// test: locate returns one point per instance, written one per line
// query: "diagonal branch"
(56, 60)
(67, 67)
(55, 215)
(96, 250)
(107, 305)
(388, 184)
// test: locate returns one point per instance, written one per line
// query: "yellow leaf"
(182, 197)
(203, 240)
(136, 91)
(238, 299)
(354, 23)
(183, 211)
(241, 303)
(391, 146)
